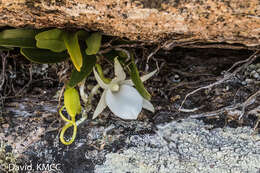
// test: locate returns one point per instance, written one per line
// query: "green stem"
(73, 135)
(69, 124)
(101, 74)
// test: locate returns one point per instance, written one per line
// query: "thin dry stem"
(226, 77)
(248, 102)
(28, 84)
(3, 68)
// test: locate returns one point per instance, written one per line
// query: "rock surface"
(185, 146)
(173, 22)
(30, 124)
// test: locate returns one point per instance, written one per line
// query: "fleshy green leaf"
(121, 56)
(101, 74)
(72, 101)
(5, 48)
(82, 35)
(93, 42)
(89, 62)
(43, 56)
(24, 38)
(137, 81)
(72, 45)
(51, 39)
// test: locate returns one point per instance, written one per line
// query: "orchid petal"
(147, 76)
(143, 78)
(148, 105)
(119, 71)
(101, 105)
(99, 80)
(127, 82)
(126, 103)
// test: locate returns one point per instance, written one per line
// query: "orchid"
(120, 96)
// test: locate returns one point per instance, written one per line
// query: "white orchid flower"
(120, 95)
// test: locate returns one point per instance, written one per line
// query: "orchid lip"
(127, 103)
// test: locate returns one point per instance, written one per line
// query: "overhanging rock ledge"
(152, 21)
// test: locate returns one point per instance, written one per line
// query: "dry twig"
(28, 84)
(60, 96)
(217, 112)
(190, 74)
(222, 80)
(248, 102)
(3, 56)
(150, 56)
(257, 122)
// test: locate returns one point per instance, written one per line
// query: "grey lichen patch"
(185, 146)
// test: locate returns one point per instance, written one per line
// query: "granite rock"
(171, 22)
(188, 146)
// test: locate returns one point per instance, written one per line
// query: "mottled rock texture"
(188, 147)
(175, 21)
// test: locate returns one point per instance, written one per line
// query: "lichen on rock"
(188, 145)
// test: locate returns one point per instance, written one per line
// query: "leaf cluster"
(56, 45)
(84, 51)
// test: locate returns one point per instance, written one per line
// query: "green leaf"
(93, 42)
(134, 73)
(72, 101)
(72, 45)
(24, 38)
(121, 56)
(89, 62)
(101, 74)
(82, 35)
(121, 41)
(43, 56)
(51, 39)
(5, 48)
